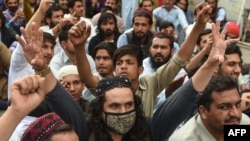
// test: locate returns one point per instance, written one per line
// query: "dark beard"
(140, 35)
(51, 25)
(108, 33)
(155, 64)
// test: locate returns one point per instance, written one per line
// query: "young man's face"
(12, 3)
(182, 4)
(108, 27)
(78, 9)
(148, 5)
(212, 3)
(48, 51)
(111, 3)
(141, 27)
(204, 41)
(169, 30)
(104, 63)
(224, 110)
(127, 66)
(119, 100)
(168, 3)
(63, 4)
(56, 18)
(74, 85)
(231, 66)
(160, 50)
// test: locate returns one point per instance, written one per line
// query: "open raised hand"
(219, 44)
(32, 42)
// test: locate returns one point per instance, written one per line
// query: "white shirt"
(61, 59)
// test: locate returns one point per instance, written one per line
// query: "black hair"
(217, 83)
(109, 46)
(128, 50)
(63, 34)
(47, 37)
(165, 24)
(143, 13)
(141, 3)
(204, 32)
(71, 3)
(137, 133)
(105, 17)
(49, 12)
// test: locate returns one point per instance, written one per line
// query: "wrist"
(43, 72)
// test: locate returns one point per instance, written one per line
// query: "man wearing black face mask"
(14, 17)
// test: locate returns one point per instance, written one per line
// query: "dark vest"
(131, 38)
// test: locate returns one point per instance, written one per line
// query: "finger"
(214, 31)
(203, 8)
(34, 31)
(217, 23)
(75, 31)
(231, 41)
(88, 30)
(224, 31)
(74, 14)
(199, 7)
(41, 88)
(26, 35)
(20, 40)
(34, 84)
(25, 85)
(40, 37)
(82, 26)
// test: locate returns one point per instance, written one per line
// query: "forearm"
(63, 104)
(195, 61)
(8, 122)
(186, 49)
(37, 18)
(83, 66)
(206, 71)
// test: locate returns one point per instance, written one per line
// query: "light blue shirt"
(175, 16)
(122, 40)
(128, 9)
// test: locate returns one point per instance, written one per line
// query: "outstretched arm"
(39, 14)
(27, 93)
(196, 60)
(57, 97)
(187, 47)
(215, 58)
(78, 36)
(185, 97)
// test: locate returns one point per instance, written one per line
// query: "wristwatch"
(44, 72)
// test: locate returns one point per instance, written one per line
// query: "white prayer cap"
(67, 70)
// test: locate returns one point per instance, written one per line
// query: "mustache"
(139, 32)
(233, 119)
(158, 55)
